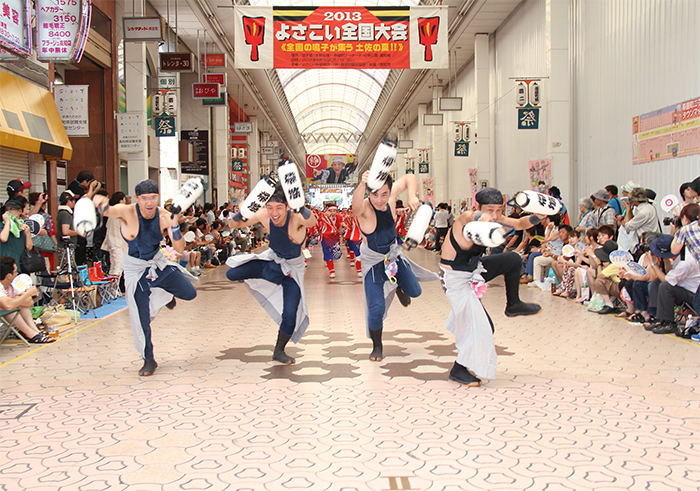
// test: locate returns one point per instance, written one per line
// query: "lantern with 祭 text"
(534, 202)
(419, 225)
(383, 161)
(291, 184)
(487, 234)
(258, 197)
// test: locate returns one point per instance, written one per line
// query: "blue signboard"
(528, 119)
(165, 126)
(462, 148)
(423, 168)
(237, 165)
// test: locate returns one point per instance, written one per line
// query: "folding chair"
(114, 280)
(9, 325)
(104, 287)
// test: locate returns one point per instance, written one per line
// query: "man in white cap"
(151, 280)
(335, 174)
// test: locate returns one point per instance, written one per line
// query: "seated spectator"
(607, 279)
(193, 255)
(586, 218)
(565, 266)
(637, 286)
(11, 299)
(586, 253)
(564, 214)
(551, 233)
(14, 233)
(673, 288)
(529, 244)
(554, 243)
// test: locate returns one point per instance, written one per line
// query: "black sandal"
(42, 338)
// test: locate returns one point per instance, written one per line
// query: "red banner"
(341, 37)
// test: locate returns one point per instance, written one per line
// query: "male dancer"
(151, 280)
(275, 277)
(353, 240)
(462, 265)
(385, 269)
(329, 223)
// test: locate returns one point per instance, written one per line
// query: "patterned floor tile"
(580, 402)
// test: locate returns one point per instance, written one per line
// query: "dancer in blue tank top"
(151, 280)
(275, 277)
(385, 270)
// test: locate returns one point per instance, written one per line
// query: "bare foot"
(578, 300)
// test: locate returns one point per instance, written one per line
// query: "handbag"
(44, 243)
(31, 261)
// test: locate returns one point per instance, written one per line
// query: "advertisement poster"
(200, 140)
(330, 168)
(473, 184)
(72, 104)
(428, 187)
(540, 170)
(15, 29)
(667, 133)
(130, 132)
(348, 37)
(238, 162)
(61, 29)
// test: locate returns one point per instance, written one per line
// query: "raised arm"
(406, 183)
(358, 197)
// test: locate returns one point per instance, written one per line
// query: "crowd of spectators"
(654, 282)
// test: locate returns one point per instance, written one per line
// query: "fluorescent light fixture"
(405, 144)
(432, 119)
(450, 104)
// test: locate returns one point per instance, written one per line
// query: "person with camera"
(68, 237)
(689, 236)
(640, 217)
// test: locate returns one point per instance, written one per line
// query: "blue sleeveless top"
(280, 241)
(384, 234)
(147, 242)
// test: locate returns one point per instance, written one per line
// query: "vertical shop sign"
(165, 126)
(62, 29)
(200, 140)
(15, 29)
(72, 104)
(130, 130)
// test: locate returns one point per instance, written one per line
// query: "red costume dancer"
(353, 240)
(401, 214)
(329, 227)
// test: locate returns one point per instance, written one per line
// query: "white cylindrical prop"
(420, 223)
(291, 184)
(487, 234)
(189, 192)
(84, 216)
(381, 165)
(257, 198)
(534, 202)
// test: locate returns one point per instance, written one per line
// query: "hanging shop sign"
(424, 168)
(165, 126)
(200, 140)
(130, 132)
(205, 91)
(528, 95)
(143, 28)
(243, 127)
(167, 81)
(216, 78)
(72, 105)
(528, 119)
(15, 28)
(62, 29)
(214, 60)
(216, 101)
(176, 62)
(341, 37)
(237, 165)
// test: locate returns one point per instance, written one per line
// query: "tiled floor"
(581, 401)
